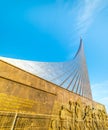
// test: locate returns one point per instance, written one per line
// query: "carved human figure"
(66, 117)
(88, 121)
(95, 121)
(107, 121)
(100, 121)
(104, 119)
(71, 110)
(63, 118)
(78, 116)
(54, 125)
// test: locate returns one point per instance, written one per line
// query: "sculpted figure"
(71, 110)
(78, 116)
(54, 125)
(88, 118)
(63, 118)
(95, 122)
(100, 121)
(66, 117)
(107, 121)
(104, 119)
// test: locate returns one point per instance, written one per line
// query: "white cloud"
(100, 93)
(65, 20)
(87, 12)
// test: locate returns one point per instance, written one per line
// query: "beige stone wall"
(28, 102)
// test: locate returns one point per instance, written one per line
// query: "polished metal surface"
(71, 75)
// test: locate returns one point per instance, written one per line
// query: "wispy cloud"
(87, 11)
(100, 92)
(65, 20)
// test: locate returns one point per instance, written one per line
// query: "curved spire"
(71, 75)
(80, 46)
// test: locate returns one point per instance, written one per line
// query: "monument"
(48, 96)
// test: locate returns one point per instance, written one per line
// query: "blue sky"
(50, 30)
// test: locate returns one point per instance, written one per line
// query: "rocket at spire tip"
(80, 39)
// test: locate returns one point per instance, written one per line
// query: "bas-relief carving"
(31, 123)
(6, 121)
(71, 116)
(75, 116)
(23, 122)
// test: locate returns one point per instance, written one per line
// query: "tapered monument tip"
(81, 40)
